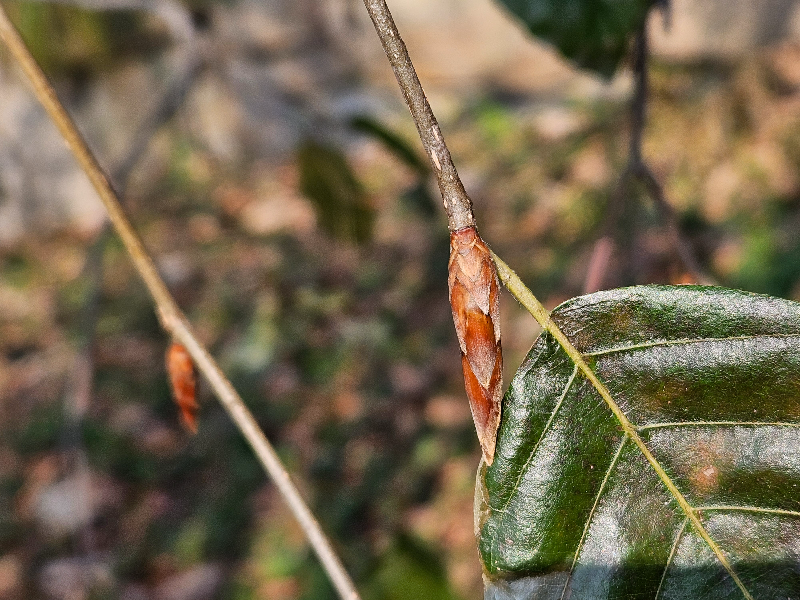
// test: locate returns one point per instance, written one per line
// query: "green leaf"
(328, 181)
(682, 482)
(409, 570)
(594, 34)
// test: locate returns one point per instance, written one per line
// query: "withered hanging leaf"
(182, 379)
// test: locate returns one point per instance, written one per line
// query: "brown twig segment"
(170, 316)
(637, 169)
(455, 198)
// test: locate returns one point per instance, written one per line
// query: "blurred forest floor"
(288, 205)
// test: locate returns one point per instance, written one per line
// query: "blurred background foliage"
(283, 192)
(595, 34)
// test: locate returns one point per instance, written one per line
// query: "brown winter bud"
(182, 379)
(475, 300)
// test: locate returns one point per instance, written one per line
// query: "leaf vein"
(591, 513)
(688, 341)
(671, 557)
(677, 424)
(546, 428)
(753, 509)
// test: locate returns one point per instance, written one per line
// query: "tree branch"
(637, 169)
(170, 316)
(682, 245)
(642, 171)
(639, 102)
(455, 198)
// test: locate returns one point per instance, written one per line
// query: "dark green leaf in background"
(409, 570)
(710, 379)
(341, 203)
(78, 40)
(594, 34)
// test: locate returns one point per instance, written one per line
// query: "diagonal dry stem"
(170, 316)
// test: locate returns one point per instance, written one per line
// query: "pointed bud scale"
(475, 300)
(182, 379)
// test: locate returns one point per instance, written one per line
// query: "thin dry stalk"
(170, 316)
(456, 201)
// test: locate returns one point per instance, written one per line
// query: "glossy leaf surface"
(710, 380)
(594, 34)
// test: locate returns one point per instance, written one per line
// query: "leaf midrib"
(545, 429)
(532, 304)
(671, 556)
